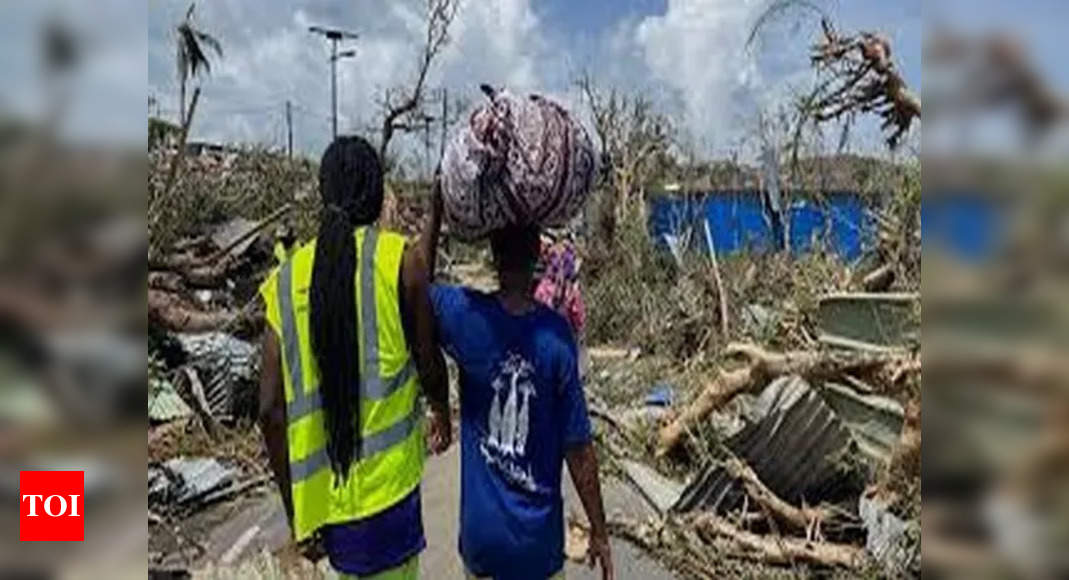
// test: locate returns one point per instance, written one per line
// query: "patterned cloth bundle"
(516, 161)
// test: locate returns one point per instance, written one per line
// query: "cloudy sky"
(689, 55)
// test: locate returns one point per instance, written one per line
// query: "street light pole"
(334, 35)
(334, 88)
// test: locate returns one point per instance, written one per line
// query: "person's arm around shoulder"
(417, 272)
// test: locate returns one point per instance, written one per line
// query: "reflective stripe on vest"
(372, 386)
(369, 445)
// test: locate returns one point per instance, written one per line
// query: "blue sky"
(687, 55)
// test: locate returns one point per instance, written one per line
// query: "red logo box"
(51, 506)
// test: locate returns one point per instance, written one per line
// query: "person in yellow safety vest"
(350, 340)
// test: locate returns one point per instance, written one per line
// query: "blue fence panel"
(806, 221)
(852, 228)
(673, 216)
(969, 225)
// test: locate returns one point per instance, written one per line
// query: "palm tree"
(191, 57)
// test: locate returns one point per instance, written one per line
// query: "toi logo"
(51, 506)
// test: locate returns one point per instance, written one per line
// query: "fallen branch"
(762, 366)
(171, 312)
(879, 279)
(650, 536)
(200, 401)
(800, 519)
(779, 550)
(273, 217)
(167, 281)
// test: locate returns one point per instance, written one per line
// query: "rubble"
(795, 447)
(761, 367)
(164, 402)
(182, 481)
(872, 320)
(874, 421)
(814, 446)
(892, 541)
(662, 493)
(228, 368)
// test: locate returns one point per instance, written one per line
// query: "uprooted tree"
(860, 76)
(404, 108)
(856, 75)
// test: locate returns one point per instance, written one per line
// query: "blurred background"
(72, 265)
(995, 283)
(994, 280)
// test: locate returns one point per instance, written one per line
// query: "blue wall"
(968, 225)
(738, 222)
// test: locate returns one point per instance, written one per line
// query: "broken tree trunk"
(779, 550)
(171, 312)
(799, 519)
(180, 153)
(762, 366)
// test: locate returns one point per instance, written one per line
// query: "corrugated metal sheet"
(227, 367)
(183, 480)
(164, 404)
(794, 447)
(882, 319)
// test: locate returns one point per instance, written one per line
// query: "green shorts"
(409, 570)
(470, 576)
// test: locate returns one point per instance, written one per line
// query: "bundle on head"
(517, 161)
(350, 182)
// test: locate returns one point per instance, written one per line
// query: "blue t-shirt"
(521, 407)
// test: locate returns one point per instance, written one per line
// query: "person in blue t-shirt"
(522, 414)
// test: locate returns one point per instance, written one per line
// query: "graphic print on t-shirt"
(505, 445)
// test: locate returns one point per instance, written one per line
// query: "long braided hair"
(350, 182)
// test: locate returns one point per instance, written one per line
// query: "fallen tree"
(805, 519)
(778, 550)
(761, 366)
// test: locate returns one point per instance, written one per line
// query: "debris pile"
(207, 282)
(798, 458)
(216, 228)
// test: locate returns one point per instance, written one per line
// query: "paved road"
(260, 524)
(441, 505)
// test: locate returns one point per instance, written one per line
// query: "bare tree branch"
(403, 105)
(633, 137)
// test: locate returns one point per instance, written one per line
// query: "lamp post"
(334, 35)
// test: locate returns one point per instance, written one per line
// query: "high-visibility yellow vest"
(388, 463)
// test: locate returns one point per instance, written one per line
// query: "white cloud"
(692, 60)
(271, 57)
(698, 49)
